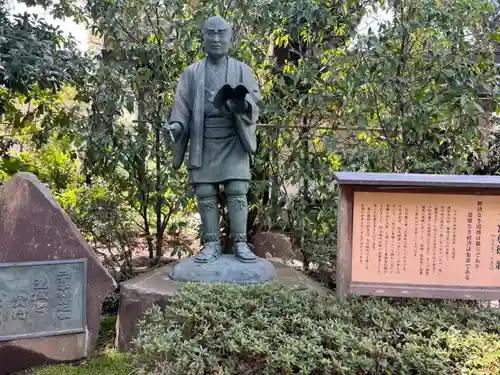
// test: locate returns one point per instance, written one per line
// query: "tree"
(412, 89)
(421, 84)
(147, 45)
(294, 47)
(38, 62)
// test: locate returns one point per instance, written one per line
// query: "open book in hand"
(227, 92)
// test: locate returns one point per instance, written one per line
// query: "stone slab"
(156, 287)
(34, 228)
(225, 269)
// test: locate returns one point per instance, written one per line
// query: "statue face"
(217, 36)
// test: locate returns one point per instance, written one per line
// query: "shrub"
(106, 221)
(271, 329)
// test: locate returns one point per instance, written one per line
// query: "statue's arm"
(247, 110)
(251, 113)
(182, 108)
(253, 87)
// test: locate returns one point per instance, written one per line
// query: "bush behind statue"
(223, 329)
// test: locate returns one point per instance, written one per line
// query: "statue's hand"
(176, 130)
(237, 106)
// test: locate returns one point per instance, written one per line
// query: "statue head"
(217, 37)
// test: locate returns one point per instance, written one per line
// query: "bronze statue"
(221, 134)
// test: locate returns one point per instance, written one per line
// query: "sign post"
(415, 235)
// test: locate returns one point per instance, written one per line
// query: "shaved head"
(216, 23)
(217, 36)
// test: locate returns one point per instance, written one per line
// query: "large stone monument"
(214, 116)
(51, 283)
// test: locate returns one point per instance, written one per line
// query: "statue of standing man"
(220, 141)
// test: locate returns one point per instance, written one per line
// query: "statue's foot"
(210, 252)
(243, 253)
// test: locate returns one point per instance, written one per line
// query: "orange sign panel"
(426, 239)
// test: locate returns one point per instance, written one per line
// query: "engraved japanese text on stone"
(42, 299)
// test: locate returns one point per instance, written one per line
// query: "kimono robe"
(219, 144)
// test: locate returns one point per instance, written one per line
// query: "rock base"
(226, 269)
(139, 294)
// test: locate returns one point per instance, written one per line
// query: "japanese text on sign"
(426, 239)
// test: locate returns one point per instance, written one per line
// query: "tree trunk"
(160, 231)
(141, 165)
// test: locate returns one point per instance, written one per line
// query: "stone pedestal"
(226, 269)
(156, 287)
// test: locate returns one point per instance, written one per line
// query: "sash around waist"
(218, 122)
